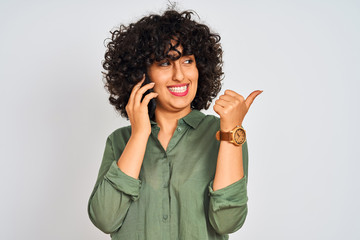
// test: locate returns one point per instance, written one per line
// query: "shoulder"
(120, 135)
(210, 123)
(210, 120)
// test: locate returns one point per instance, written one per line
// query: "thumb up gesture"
(232, 108)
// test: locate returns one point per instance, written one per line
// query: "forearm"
(228, 192)
(228, 199)
(132, 157)
(229, 167)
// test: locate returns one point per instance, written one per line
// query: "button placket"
(166, 197)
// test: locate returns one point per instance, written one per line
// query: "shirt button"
(165, 217)
(179, 128)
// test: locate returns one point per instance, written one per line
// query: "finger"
(249, 100)
(233, 94)
(227, 98)
(148, 97)
(135, 89)
(222, 103)
(141, 91)
(218, 109)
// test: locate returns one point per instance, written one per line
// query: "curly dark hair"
(132, 49)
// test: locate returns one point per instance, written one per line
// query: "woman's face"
(175, 81)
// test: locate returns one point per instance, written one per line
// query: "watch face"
(239, 136)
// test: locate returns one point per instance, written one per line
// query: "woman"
(166, 176)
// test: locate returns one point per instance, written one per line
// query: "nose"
(178, 74)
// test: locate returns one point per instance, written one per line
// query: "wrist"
(236, 135)
(140, 132)
(139, 137)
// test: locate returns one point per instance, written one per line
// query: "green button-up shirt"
(173, 198)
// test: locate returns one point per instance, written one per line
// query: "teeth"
(178, 89)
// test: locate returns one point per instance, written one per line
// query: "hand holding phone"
(138, 109)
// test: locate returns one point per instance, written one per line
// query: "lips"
(179, 90)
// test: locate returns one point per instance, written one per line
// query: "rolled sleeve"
(228, 206)
(123, 182)
(114, 191)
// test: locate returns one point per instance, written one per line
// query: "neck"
(168, 120)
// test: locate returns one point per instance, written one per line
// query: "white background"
(303, 133)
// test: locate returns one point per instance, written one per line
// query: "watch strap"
(229, 136)
(223, 136)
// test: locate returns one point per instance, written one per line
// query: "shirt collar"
(192, 119)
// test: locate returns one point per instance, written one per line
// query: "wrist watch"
(237, 136)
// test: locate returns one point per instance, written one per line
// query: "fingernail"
(152, 83)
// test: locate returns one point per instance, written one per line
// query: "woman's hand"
(232, 108)
(137, 110)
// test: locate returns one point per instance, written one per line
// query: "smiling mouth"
(180, 90)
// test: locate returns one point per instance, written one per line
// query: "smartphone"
(152, 103)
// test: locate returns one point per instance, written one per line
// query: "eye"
(164, 63)
(189, 61)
